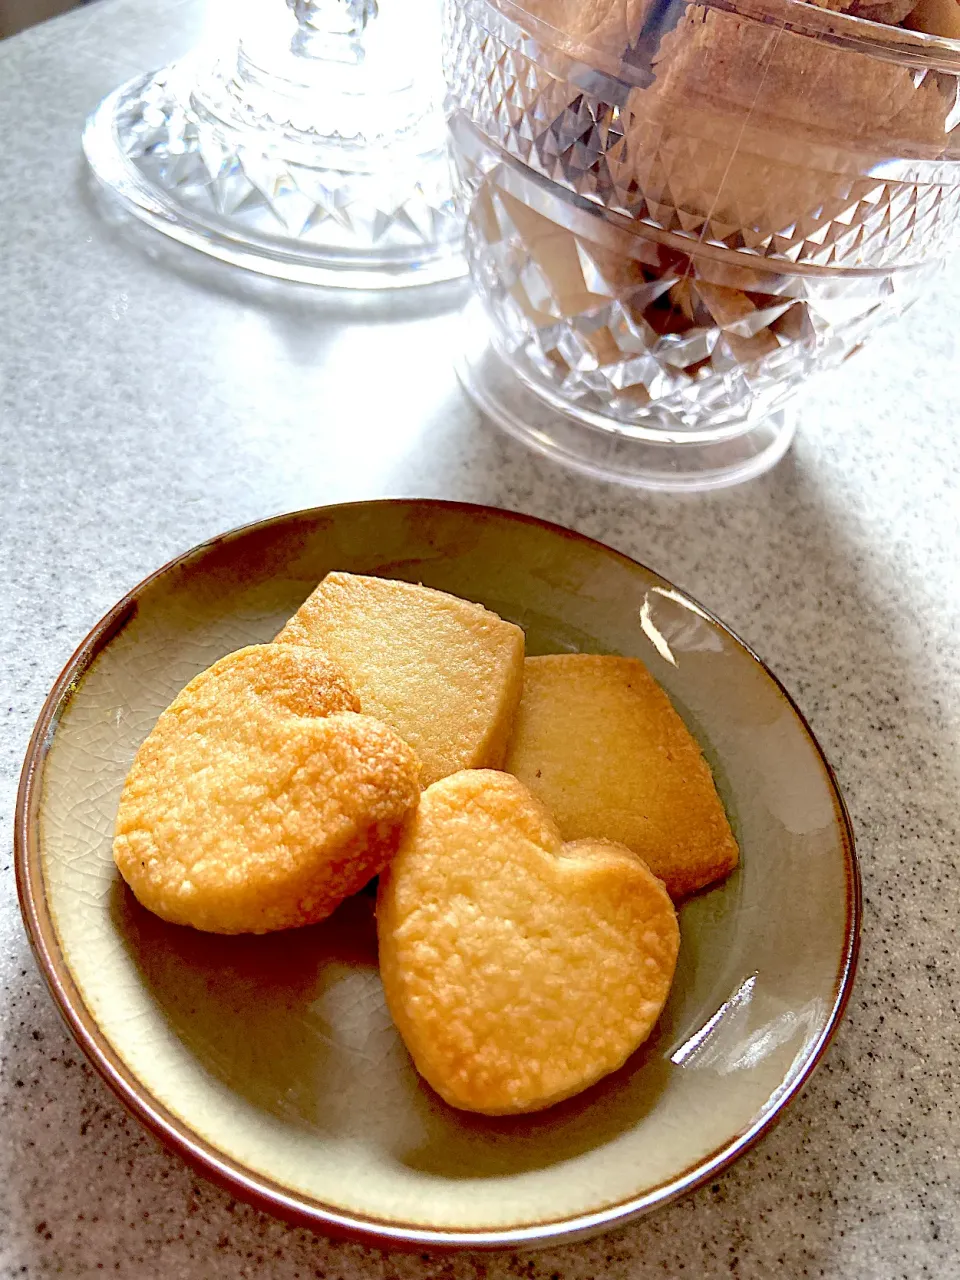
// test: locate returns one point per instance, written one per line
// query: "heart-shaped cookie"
(261, 799)
(518, 969)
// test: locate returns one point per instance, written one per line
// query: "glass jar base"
(613, 453)
(276, 209)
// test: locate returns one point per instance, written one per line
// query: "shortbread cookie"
(518, 970)
(936, 18)
(446, 674)
(261, 799)
(610, 26)
(614, 26)
(600, 744)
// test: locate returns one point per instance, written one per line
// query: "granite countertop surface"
(134, 423)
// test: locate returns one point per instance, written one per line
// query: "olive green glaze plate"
(272, 1063)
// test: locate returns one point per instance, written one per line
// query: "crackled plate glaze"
(271, 1062)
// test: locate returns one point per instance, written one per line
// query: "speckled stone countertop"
(132, 425)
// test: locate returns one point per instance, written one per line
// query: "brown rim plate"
(271, 1064)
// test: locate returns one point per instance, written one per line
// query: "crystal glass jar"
(677, 212)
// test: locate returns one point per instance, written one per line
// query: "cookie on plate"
(261, 798)
(445, 673)
(601, 745)
(518, 970)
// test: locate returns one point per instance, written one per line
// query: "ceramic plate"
(272, 1063)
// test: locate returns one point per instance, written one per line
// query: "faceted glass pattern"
(185, 139)
(312, 148)
(662, 337)
(776, 185)
(672, 240)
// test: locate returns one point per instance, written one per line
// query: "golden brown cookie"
(446, 674)
(518, 970)
(608, 25)
(781, 130)
(261, 799)
(600, 744)
(936, 18)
